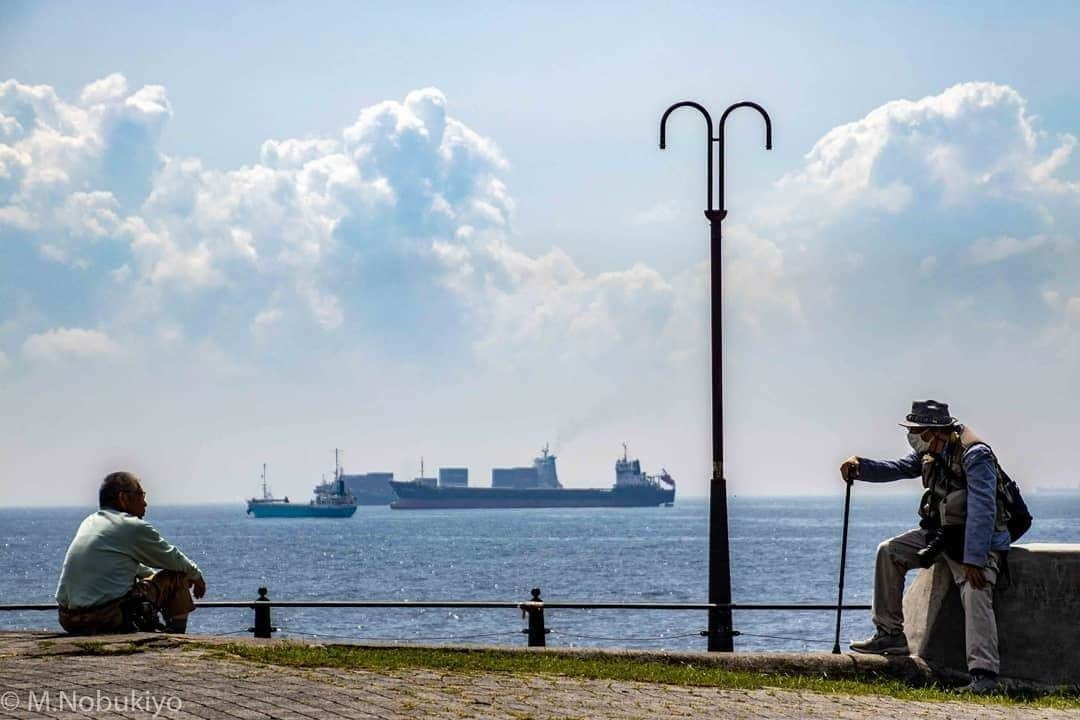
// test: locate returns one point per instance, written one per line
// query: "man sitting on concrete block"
(109, 584)
(962, 520)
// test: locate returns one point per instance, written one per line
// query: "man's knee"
(167, 577)
(164, 585)
(169, 582)
(172, 594)
(901, 550)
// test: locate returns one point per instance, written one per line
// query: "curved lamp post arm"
(710, 212)
(720, 141)
(709, 140)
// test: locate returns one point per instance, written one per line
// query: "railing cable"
(373, 638)
(696, 633)
(785, 637)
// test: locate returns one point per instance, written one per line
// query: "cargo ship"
(538, 486)
(371, 488)
(332, 500)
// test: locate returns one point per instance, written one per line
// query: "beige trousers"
(166, 590)
(896, 556)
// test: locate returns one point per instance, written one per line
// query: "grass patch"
(602, 668)
(108, 648)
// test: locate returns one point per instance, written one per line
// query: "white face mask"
(917, 443)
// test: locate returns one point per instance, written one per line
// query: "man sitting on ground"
(109, 584)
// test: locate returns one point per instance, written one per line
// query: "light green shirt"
(110, 550)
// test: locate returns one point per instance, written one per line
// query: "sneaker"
(983, 682)
(177, 626)
(883, 643)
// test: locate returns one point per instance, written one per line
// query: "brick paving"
(176, 682)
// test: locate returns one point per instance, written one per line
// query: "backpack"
(1019, 521)
(1018, 517)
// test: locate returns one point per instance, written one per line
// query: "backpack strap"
(967, 440)
(1004, 578)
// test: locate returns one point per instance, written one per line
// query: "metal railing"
(536, 630)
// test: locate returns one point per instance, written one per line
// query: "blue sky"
(250, 234)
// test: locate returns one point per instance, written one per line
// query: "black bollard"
(263, 628)
(535, 608)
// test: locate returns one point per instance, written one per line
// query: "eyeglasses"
(140, 493)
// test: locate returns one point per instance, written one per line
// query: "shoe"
(176, 626)
(143, 617)
(983, 682)
(883, 643)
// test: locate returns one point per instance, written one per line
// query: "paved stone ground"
(47, 679)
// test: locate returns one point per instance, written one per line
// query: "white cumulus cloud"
(1052, 298)
(400, 226)
(962, 189)
(545, 310)
(988, 250)
(77, 343)
(1072, 312)
(972, 141)
(928, 265)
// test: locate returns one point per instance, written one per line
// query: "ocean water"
(782, 550)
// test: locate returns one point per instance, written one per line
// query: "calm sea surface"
(783, 550)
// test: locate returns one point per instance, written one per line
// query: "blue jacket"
(981, 474)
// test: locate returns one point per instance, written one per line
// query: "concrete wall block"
(1038, 616)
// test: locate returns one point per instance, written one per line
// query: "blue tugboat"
(538, 486)
(332, 500)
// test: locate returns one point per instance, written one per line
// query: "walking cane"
(843, 563)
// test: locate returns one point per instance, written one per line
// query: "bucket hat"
(929, 413)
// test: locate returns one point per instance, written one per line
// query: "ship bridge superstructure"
(547, 476)
(628, 472)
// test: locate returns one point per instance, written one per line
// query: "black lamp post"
(720, 627)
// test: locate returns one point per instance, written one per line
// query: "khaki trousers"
(896, 556)
(165, 590)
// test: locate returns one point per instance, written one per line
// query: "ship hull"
(412, 496)
(374, 499)
(297, 510)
